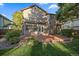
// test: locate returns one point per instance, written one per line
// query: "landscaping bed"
(32, 47)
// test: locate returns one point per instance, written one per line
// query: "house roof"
(5, 17)
(36, 6)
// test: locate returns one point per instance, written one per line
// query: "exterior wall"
(76, 23)
(8, 27)
(51, 24)
(1, 22)
(6, 21)
(71, 25)
(35, 15)
(26, 13)
(67, 25)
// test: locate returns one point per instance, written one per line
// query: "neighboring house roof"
(5, 17)
(36, 6)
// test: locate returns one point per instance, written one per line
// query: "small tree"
(17, 19)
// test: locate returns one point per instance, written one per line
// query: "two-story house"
(38, 19)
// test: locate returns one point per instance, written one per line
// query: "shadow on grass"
(21, 51)
(4, 51)
(74, 46)
(56, 49)
(66, 49)
(35, 48)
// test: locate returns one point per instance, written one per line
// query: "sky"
(7, 9)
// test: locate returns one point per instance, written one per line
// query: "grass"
(35, 48)
(3, 51)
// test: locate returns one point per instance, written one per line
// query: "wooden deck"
(47, 38)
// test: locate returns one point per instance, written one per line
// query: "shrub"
(1, 32)
(66, 32)
(13, 36)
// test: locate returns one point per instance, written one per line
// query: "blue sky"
(7, 9)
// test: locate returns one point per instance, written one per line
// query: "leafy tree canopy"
(68, 11)
(17, 19)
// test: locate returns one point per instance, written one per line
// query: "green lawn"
(35, 48)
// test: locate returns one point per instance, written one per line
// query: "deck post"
(24, 27)
(51, 24)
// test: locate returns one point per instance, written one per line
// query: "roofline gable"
(32, 7)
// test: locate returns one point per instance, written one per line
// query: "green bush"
(13, 36)
(66, 32)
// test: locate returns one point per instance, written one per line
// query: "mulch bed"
(46, 38)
